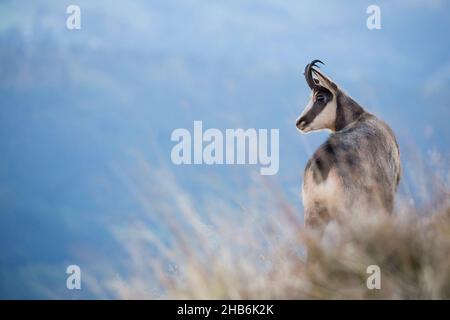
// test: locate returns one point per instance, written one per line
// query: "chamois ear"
(324, 81)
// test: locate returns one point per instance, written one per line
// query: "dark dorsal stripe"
(347, 111)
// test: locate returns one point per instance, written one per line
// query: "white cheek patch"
(326, 118)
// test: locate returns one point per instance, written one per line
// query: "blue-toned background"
(77, 106)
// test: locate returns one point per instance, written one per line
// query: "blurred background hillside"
(77, 108)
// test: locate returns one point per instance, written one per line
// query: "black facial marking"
(325, 96)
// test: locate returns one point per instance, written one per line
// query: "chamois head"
(320, 112)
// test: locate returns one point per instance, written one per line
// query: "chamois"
(357, 169)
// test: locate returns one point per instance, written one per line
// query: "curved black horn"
(308, 73)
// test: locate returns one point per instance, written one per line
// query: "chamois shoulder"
(333, 153)
(340, 151)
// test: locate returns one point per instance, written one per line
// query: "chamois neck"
(347, 111)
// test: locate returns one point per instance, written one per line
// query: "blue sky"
(78, 107)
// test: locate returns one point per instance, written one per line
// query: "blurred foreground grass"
(258, 249)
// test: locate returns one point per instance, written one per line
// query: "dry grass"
(258, 250)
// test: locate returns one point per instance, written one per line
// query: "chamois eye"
(320, 97)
